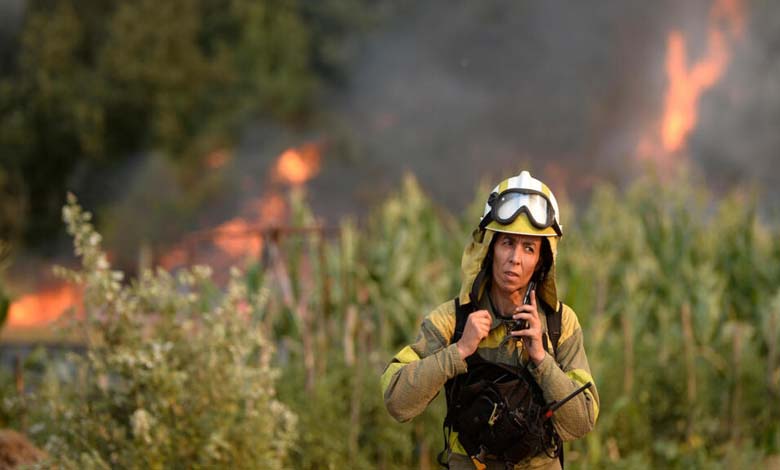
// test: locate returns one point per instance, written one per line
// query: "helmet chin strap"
(486, 220)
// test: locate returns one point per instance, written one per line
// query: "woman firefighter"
(509, 354)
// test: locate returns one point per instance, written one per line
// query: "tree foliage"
(93, 82)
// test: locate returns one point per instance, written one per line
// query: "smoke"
(10, 23)
(460, 91)
(457, 91)
(737, 140)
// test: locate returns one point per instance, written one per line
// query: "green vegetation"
(90, 83)
(173, 376)
(677, 295)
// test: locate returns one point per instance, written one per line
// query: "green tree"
(94, 82)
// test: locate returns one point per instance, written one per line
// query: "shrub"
(176, 374)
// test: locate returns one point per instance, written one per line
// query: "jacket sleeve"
(578, 416)
(417, 372)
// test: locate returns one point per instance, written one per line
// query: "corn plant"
(677, 293)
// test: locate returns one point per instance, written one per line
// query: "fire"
(43, 307)
(271, 209)
(241, 236)
(236, 238)
(688, 82)
(298, 165)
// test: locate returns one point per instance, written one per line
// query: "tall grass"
(678, 295)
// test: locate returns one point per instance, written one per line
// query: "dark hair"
(545, 262)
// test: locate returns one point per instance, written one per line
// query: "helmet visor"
(512, 202)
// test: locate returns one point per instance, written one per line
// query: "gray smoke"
(737, 140)
(459, 92)
(456, 91)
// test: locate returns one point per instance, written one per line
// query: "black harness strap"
(554, 321)
(462, 313)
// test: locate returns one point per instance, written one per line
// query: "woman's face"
(514, 261)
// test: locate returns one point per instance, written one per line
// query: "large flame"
(43, 307)
(688, 82)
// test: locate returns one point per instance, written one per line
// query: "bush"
(176, 373)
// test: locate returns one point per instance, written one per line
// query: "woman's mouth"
(511, 274)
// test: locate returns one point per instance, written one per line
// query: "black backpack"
(498, 410)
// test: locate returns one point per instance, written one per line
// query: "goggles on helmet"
(509, 204)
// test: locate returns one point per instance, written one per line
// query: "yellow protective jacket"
(418, 372)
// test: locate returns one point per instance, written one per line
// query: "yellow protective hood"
(474, 278)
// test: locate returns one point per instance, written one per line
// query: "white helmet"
(522, 195)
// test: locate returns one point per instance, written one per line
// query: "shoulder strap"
(554, 320)
(461, 315)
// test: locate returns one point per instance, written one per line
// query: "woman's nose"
(517, 256)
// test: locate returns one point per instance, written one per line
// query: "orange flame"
(687, 83)
(235, 238)
(240, 236)
(297, 165)
(43, 307)
(270, 209)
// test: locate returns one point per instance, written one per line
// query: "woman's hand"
(476, 329)
(531, 336)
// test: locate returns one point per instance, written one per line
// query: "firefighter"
(509, 261)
